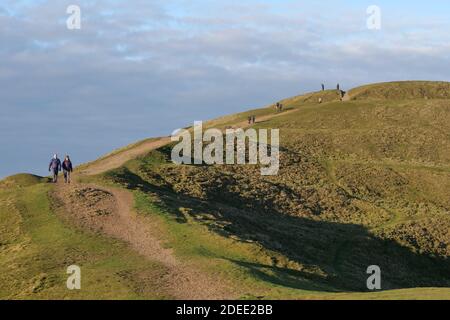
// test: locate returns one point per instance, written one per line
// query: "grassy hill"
(361, 182)
(404, 90)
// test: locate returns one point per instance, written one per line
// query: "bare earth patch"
(108, 211)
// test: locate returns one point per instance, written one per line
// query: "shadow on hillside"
(332, 256)
(286, 277)
(132, 181)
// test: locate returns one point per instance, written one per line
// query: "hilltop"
(362, 181)
(403, 90)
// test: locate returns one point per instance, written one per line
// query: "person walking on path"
(253, 119)
(55, 167)
(67, 169)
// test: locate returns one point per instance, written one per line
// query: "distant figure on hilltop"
(338, 87)
(323, 87)
(67, 169)
(55, 167)
(279, 107)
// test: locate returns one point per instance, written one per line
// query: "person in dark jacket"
(55, 167)
(67, 169)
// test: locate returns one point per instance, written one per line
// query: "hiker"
(323, 87)
(55, 167)
(338, 87)
(67, 169)
(253, 119)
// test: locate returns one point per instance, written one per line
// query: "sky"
(138, 69)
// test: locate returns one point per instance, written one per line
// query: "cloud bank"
(143, 68)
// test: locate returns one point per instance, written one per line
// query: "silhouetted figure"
(323, 87)
(338, 87)
(254, 119)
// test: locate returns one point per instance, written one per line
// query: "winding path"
(121, 157)
(109, 211)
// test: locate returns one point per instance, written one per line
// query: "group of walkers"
(56, 166)
(279, 107)
(338, 87)
(251, 119)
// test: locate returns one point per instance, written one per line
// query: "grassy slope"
(372, 177)
(381, 141)
(36, 247)
(402, 90)
(257, 272)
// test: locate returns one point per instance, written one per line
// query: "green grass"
(243, 264)
(247, 265)
(289, 104)
(361, 182)
(21, 180)
(357, 177)
(36, 248)
(402, 90)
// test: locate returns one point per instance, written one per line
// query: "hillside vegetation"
(361, 182)
(405, 90)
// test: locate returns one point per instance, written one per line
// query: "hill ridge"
(362, 181)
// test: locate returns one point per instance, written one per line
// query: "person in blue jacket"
(55, 167)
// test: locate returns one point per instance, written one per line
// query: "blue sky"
(138, 69)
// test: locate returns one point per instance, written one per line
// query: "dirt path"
(120, 158)
(346, 97)
(117, 160)
(244, 124)
(108, 211)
